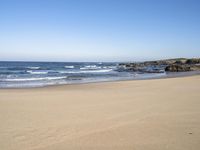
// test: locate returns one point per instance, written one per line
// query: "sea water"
(37, 74)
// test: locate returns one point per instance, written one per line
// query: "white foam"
(69, 67)
(90, 67)
(110, 67)
(37, 72)
(87, 71)
(35, 68)
(35, 79)
(96, 71)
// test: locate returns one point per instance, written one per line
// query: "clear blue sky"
(99, 30)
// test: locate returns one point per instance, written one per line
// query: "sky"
(98, 30)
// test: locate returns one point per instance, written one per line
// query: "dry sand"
(160, 114)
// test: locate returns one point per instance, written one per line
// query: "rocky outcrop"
(182, 68)
(177, 68)
(193, 61)
(186, 65)
(169, 65)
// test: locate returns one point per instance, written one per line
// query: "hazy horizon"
(99, 31)
(59, 61)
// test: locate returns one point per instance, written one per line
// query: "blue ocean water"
(38, 74)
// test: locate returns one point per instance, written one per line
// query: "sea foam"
(69, 67)
(34, 79)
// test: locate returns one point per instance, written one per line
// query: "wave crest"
(34, 79)
(69, 67)
(90, 67)
(37, 72)
(34, 68)
(86, 71)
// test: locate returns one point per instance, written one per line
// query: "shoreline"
(169, 75)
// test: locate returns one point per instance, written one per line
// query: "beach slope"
(160, 114)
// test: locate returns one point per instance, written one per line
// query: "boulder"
(177, 68)
(193, 61)
(195, 67)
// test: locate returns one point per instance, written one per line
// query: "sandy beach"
(158, 114)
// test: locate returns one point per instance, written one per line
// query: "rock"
(131, 67)
(181, 61)
(182, 68)
(195, 67)
(171, 65)
(177, 68)
(193, 61)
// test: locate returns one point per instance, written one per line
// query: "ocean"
(39, 74)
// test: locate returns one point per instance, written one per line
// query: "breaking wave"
(69, 67)
(37, 72)
(34, 68)
(35, 79)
